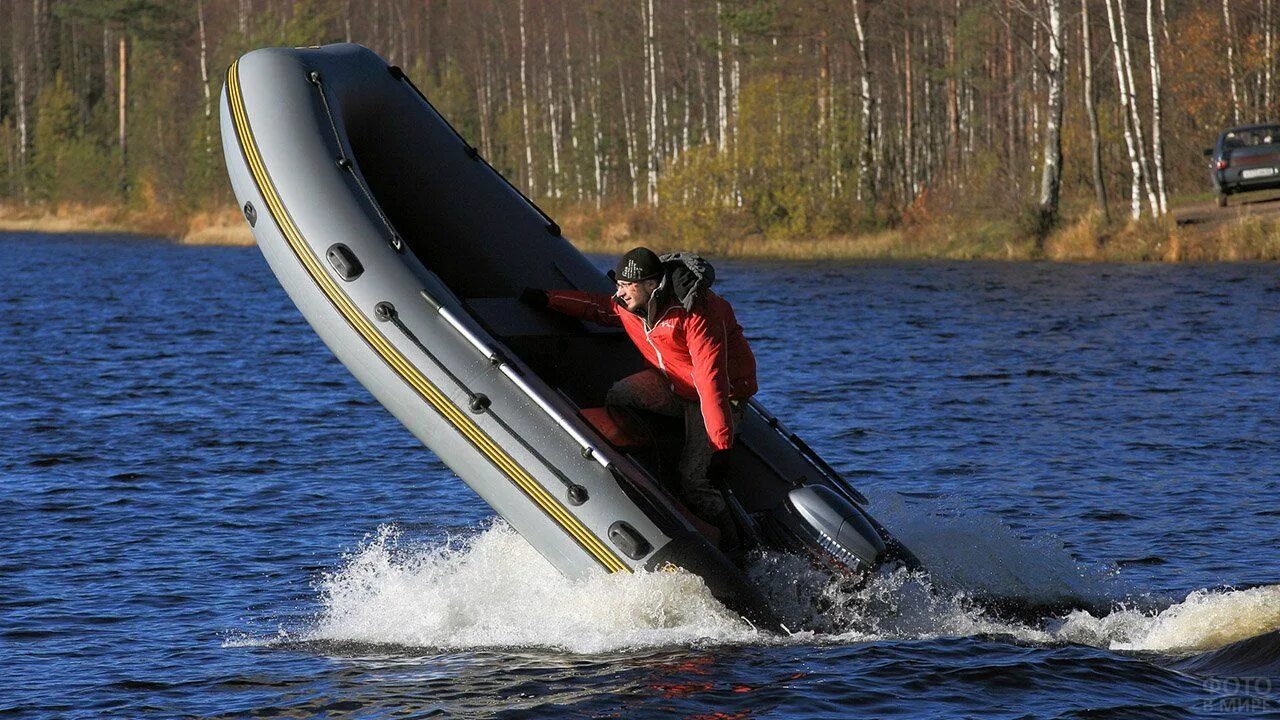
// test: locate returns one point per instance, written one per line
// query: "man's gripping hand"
(534, 298)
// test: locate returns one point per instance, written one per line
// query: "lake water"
(206, 516)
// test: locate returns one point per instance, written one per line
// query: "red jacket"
(702, 352)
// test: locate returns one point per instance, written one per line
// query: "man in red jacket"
(701, 367)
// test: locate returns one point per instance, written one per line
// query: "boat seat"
(622, 429)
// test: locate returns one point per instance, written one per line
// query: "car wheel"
(1222, 200)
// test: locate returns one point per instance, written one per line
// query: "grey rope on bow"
(344, 162)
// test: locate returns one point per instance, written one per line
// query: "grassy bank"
(1194, 232)
(1248, 234)
(221, 228)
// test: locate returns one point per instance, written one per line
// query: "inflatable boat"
(406, 252)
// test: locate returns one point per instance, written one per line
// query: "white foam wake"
(1205, 620)
(492, 589)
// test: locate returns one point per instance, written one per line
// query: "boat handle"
(589, 451)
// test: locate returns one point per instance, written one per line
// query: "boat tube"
(406, 252)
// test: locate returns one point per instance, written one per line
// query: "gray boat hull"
(403, 249)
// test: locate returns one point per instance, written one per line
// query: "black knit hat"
(638, 264)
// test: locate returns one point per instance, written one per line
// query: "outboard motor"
(821, 523)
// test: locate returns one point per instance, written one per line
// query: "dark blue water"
(207, 517)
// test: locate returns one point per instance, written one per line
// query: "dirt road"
(1207, 216)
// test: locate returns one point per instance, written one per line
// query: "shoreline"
(1245, 236)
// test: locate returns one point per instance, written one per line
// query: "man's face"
(635, 295)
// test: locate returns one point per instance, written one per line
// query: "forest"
(710, 122)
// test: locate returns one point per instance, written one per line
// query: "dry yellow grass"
(224, 227)
(1085, 238)
(883, 244)
(63, 219)
(1077, 241)
(616, 230)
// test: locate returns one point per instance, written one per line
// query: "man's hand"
(718, 468)
(534, 298)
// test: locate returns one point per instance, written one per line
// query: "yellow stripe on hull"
(390, 355)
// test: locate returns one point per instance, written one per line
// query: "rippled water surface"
(206, 516)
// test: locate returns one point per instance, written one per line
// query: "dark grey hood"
(687, 275)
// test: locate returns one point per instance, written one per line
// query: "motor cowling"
(837, 526)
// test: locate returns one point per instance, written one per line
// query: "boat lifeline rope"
(344, 162)
(478, 402)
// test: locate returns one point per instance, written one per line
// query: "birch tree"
(866, 188)
(204, 80)
(1157, 139)
(1231, 61)
(524, 105)
(1051, 175)
(1135, 116)
(1122, 87)
(651, 66)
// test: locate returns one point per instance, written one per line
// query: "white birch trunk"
(924, 143)
(123, 103)
(553, 112)
(652, 62)
(865, 186)
(877, 150)
(1135, 168)
(664, 118)
(1268, 49)
(777, 99)
(953, 138)
(630, 141)
(595, 119)
(735, 85)
(1157, 139)
(683, 144)
(204, 80)
(484, 93)
(1035, 90)
(1011, 116)
(524, 107)
(1135, 116)
(1051, 176)
(704, 106)
(23, 141)
(1231, 62)
(722, 105)
(908, 122)
(688, 69)
(483, 100)
(573, 117)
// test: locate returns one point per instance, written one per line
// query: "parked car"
(1245, 158)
